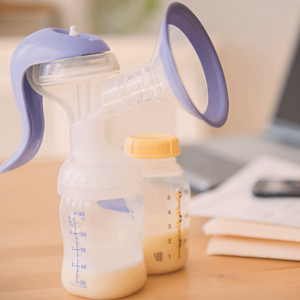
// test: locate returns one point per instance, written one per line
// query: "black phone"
(277, 188)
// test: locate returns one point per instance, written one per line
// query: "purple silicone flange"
(42, 46)
(217, 109)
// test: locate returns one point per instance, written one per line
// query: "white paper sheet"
(234, 199)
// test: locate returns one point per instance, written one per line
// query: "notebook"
(238, 238)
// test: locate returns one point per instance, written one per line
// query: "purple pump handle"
(42, 46)
(184, 19)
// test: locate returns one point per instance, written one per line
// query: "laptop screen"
(289, 107)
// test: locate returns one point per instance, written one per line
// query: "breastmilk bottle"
(102, 219)
(166, 197)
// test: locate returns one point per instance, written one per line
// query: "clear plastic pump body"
(166, 197)
(103, 256)
(101, 210)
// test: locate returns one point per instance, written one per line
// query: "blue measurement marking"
(77, 249)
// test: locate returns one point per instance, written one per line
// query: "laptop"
(209, 163)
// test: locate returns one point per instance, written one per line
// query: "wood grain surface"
(31, 253)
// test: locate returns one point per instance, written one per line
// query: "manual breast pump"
(101, 210)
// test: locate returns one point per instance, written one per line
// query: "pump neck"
(87, 141)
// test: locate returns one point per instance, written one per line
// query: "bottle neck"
(95, 170)
(153, 165)
(87, 141)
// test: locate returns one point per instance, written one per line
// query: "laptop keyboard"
(210, 163)
(241, 149)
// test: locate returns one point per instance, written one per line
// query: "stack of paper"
(245, 225)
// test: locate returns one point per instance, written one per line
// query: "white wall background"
(254, 40)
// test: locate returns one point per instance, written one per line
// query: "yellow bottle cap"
(152, 145)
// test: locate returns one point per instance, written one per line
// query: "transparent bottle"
(166, 196)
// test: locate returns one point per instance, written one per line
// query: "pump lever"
(42, 46)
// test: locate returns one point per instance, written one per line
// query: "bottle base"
(108, 285)
(166, 269)
(162, 254)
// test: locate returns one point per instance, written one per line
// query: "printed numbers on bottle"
(158, 256)
(83, 266)
(169, 212)
(81, 215)
(168, 197)
(169, 226)
(83, 234)
(70, 221)
(83, 250)
(82, 282)
(169, 241)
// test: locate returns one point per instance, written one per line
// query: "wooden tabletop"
(31, 253)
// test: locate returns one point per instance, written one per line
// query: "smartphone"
(277, 188)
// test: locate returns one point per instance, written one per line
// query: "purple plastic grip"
(42, 46)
